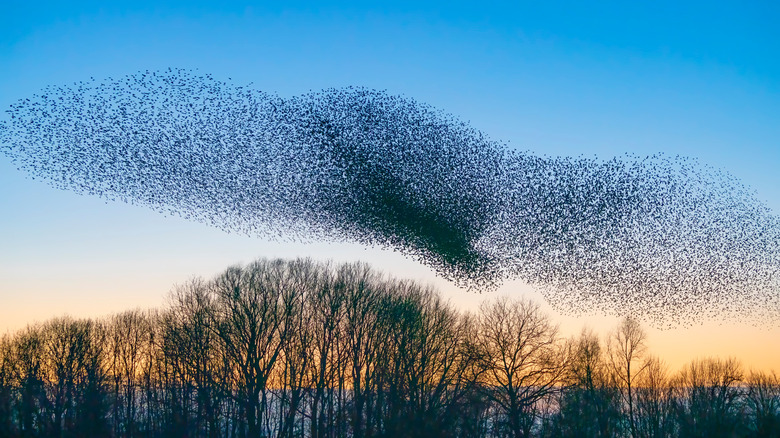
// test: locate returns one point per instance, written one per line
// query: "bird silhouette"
(658, 236)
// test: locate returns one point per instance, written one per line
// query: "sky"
(553, 78)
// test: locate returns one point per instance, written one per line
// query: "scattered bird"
(660, 237)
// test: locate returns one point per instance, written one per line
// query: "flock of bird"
(660, 237)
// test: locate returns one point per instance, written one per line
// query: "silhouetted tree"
(763, 402)
(589, 405)
(303, 349)
(708, 402)
(75, 377)
(32, 406)
(423, 363)
(191, 347)
(7, 387)
(523, 358)
(625, 350)
(361, 341)
(654, 401)
(326, 314)
(127, 339)
(254, 309)
(295, 373)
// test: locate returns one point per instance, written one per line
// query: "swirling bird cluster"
(660, 237)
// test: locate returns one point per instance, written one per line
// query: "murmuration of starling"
(663, 238)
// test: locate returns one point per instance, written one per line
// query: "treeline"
(299, 348)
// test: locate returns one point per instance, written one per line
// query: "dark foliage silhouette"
(302, 349)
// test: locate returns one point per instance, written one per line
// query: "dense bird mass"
(661, 237)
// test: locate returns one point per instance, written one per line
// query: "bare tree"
(360, 342)
(589, 404)
(91, 381)
(327, 307)
(7, 386)
(296, 373)
(763, 400)
(60, 351)
(155, 376)
(523, 357)
(626, 346)
(127, 339)
(654, 401)
(28, 348)
(709, 399)
(254, 308)
(190, 343)
(422, 364)
(74, 376)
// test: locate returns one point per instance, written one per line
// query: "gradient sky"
(558, 78)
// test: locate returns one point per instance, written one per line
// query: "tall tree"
(523, 356)
(709, 402)
(190, 344)
(7, 386)
(127, 339)
(28, 353)
(763, 400)
(654, 401)
(362, 338)
(589, 403)
(626, 346)
(254, 307)
(74, 376)
(326, 310)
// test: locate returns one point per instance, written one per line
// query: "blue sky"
(557, 78)
(561, 79)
